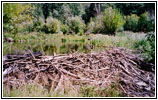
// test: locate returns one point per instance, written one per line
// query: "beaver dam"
(114, 65)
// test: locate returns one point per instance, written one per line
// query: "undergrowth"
(147, 47)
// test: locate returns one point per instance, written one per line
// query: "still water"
(50, 48)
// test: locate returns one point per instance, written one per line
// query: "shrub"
(52, 25)
(38, 25)
(64, 28)
(112, 21)
(131, 22)
(121, 29)
(151, 40)
(29, 28)
(98, 27)
(19, 28)
(147, 47)
(151, 27)
(76, 24)
(90, 26)
(146, 24)
(7, 28)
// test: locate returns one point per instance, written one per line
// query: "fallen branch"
(96, 69)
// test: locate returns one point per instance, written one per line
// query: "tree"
(46, 10)
(112, 21)
(89, 12)
(135, 8)
(13, 12)
(62, 11)
(16, 16)
(38, 12)
(76, 8)
(94, 9)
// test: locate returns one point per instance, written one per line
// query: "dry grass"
(34, 90)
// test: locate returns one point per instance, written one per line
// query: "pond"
(50, 48)
(52, 44)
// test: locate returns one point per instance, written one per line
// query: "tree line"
(78, 17)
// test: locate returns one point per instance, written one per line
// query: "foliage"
(64, 28)
(8, 28)
(52, 25)
(90, 26)
(94, 9)
(89, 12)
(145, 23)
(38, 13)
(62, 11)
(98, 27)
(24, 17)
(134, 8)
(139, 24)
(132, 23)
(151, 51)
(147, 47)
(77, 9)
(38, 24)
(16, 14)
(76, 24)
(112, 21)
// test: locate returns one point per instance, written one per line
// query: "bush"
(151, 40)
(52, 25)
(147, 47)
(7, 28)
(18, 27)
(76, 24)
(131, 23)
(29, 28)
(90, 26)
(146, 24)
(64, 28)
(121, 29)
(98, 27)
(38, 25)
(112, 21)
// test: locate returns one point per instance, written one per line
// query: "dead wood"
(96, 69)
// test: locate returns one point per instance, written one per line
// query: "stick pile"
(97, 69)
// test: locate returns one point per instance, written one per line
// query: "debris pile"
(96, 69)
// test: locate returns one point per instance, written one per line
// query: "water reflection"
(51, 48)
